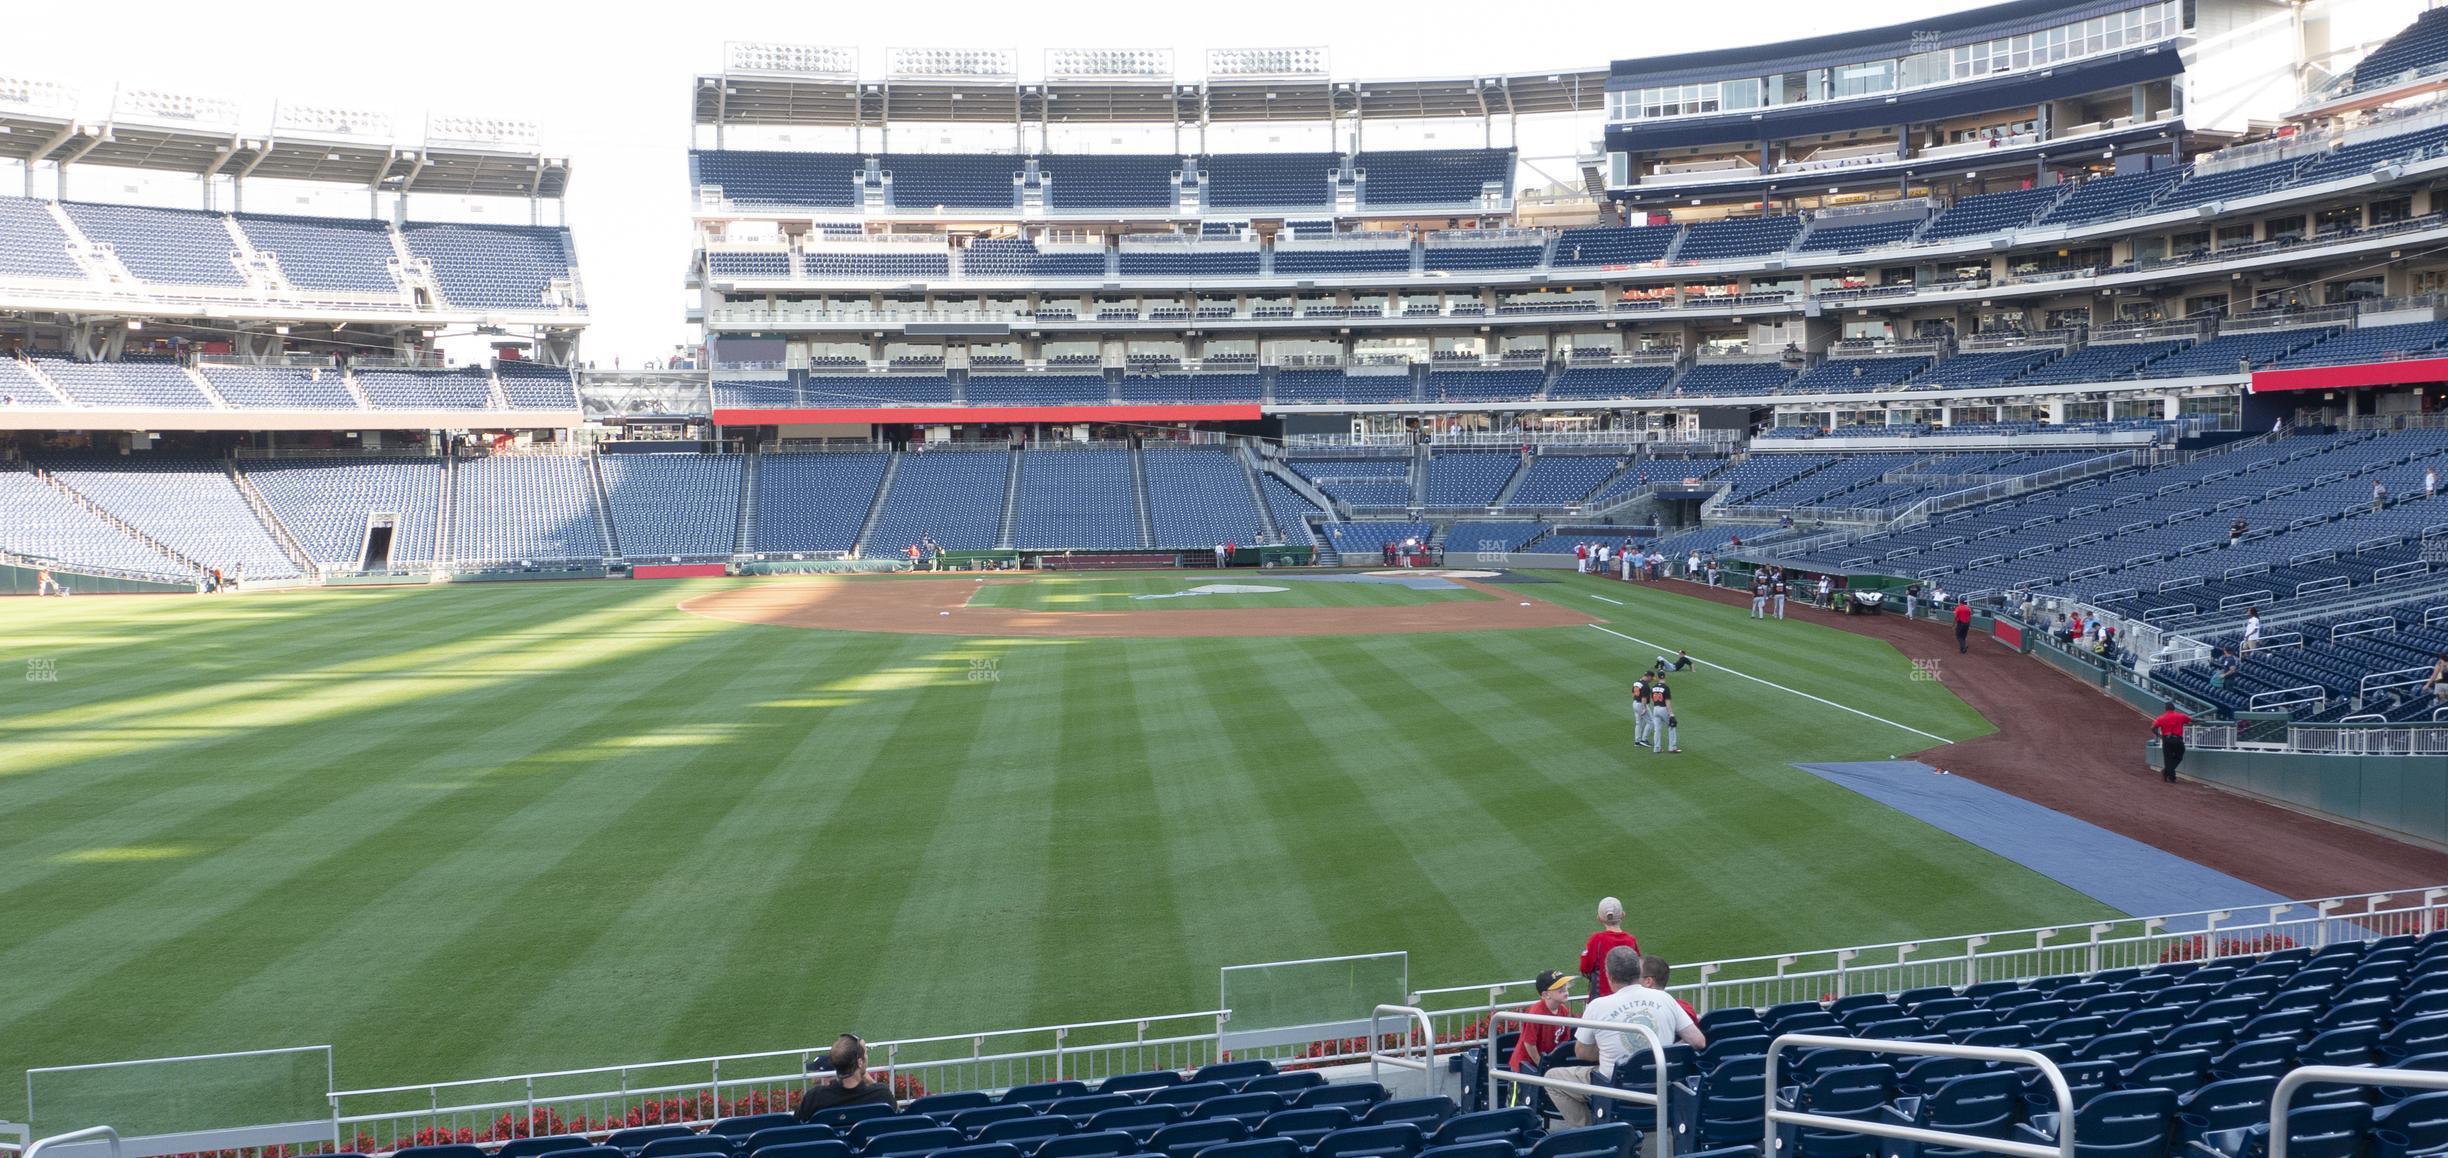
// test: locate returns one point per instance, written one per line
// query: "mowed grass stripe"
(135, 804)
(258, 777)
(642, 881)
(1348, 849)
(550, 795)
(279, 694)
(293, 877)
(767, 987)
(1209, 762)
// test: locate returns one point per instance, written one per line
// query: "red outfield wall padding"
(1246, 412)
(2341, 377)
(2007, 633)
(677, 571)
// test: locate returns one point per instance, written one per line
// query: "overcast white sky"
(608, 83)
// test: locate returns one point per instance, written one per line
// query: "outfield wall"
(2405, 797)
(16, 579)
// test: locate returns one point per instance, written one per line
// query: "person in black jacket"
(849, 1083)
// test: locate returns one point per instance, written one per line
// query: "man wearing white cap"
(1609, 935)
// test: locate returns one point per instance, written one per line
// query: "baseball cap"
(1549, 981)
(1609, 908)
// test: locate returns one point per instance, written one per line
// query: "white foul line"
(1604, 599)
(1777, 686)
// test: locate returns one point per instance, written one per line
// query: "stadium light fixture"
(1109, 64)
(37, 96)
(952, 64)
(483, 132)
(329, 121)
(191, 110)
(1246, 63)
(809, 60)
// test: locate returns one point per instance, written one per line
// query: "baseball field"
(475, 829)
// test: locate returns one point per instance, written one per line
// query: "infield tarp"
(2117, 871)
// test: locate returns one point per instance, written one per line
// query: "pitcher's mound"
(920, 606)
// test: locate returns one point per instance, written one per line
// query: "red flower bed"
(2198, 948)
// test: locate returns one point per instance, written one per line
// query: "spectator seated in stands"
(1630, 1004)
(1540, 1045)
(841, 1079)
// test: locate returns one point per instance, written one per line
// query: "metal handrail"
(2040, 1061)
(1657, 1061)
(1426, 1062)
(2302, 1076)
(87, 1134)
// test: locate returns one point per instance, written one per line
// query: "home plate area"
(1119, 606)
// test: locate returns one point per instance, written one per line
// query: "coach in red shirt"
(1593, 954)
(1963, 627)
(2170, 725)
(1539, 1039)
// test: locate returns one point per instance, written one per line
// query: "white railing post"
(1774, 1117)
(1427, 1064)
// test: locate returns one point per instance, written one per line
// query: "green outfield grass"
(458, 831)
(1116, 593)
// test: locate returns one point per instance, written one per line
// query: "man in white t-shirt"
(1632, 1004)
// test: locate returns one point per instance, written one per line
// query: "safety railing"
(1800, 1119)
(2302, 1076)
(1423, 1041)
(13, 1136)
(1654, 1098)
(76, 1139)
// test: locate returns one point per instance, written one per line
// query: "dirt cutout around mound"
(2071, 747)
(914, 605)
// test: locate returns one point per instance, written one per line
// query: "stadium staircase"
(1266, 514)
(444, 527)
(1419, 477)
(33, 373)
(1504, 494)
(1304, 488)
(204, 386)
(603, 500)
(262, 271)
(271, 522)
(744, 533)
(1139, 497)
(121, 525)
(1011, 501)
(875, 508)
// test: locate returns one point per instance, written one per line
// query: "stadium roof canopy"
(811, 85)
(166, 132)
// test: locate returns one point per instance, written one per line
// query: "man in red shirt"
(2171, 728)
(1593, 954)
(1963, 627)
(1537, 1038)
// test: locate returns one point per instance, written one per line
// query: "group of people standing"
(1622, 560)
